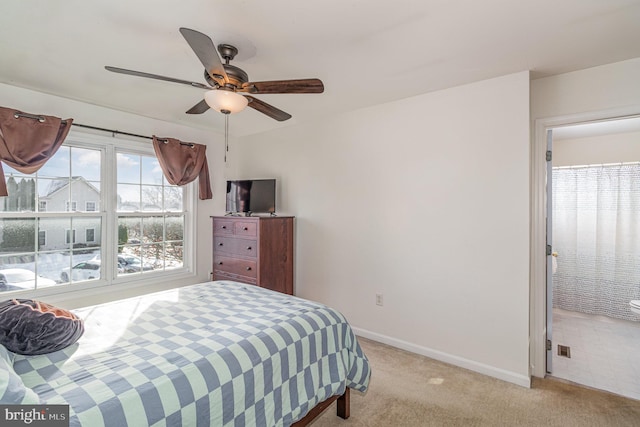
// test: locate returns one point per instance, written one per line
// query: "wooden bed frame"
(343, 409)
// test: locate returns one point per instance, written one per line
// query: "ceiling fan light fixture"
(225, 100)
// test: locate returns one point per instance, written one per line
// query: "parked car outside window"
(20, 278)
(132, 264)
(86, 270)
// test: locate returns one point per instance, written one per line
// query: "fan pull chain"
(226, 135)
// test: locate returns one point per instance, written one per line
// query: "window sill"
(99, 292)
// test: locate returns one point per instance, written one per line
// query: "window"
(71, 206)
(69, 238)
(133, 219)
(150, 214)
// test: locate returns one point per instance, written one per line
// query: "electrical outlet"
(379, 299)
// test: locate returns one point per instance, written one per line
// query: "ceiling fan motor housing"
(237, 76)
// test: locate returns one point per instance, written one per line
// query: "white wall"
(611, 148)
(40, 103)
(608, 88)
(424, 200)
(593, 94)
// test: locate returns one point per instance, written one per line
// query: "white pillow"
(12, 389)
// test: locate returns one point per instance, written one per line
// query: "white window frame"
(95, 206)
(86, 238)
(109, 280)
(42, 203)
(71, 206)
(109, 206)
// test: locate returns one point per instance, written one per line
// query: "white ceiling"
(366, 51)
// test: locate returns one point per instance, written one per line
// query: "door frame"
(538, 236)
(549, 253)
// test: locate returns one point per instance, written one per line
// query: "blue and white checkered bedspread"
(213, 354)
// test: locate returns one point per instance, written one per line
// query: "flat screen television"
(251, 196)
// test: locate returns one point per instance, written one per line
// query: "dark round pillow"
(32, 327)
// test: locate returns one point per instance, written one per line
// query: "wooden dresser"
(254, 250)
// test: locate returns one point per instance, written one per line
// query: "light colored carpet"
(412, 390)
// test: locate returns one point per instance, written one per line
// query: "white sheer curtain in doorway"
(596, 233)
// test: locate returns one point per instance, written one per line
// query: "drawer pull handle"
(219, 262)
(245, 228)
(248, 268)
(224, 227)
(220, 244)
(248, 248)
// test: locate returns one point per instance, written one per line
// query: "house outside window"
(134, 223)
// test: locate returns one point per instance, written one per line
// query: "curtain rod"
(127, 133)
(113, 131)
(41, 119)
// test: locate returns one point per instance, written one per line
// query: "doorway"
(594, 335)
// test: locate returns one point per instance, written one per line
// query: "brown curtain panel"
(182, 162)
(27, 141)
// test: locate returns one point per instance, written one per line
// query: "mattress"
(213, 354)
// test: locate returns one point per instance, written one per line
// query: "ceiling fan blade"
(155, 76)
(284, 86)
(206, 52)
(268, 109)
(199, 108)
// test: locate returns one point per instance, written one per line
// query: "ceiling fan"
(226, 81)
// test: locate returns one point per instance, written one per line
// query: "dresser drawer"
(231, 245)
(242, 267)
(223, 227)
(245, 228)
(217, 275)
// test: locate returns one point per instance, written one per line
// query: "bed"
(213, 354)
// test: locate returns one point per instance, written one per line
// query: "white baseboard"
(481, 368)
